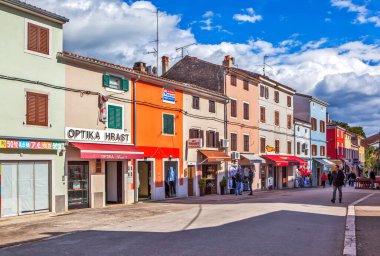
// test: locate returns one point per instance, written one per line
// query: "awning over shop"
(324, 162)
(253, 158)
(282, 160)
(336, 161)
(159, 152)
(214, 156)
(108, 151)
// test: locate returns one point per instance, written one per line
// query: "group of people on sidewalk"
(238, 181)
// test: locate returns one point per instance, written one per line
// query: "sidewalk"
(368, 226)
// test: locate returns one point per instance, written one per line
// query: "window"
(38, 39)
(276, 97)
(289, 121)
(195, 102)
(313, 124)
(289, 147)
(212, 139)
(37, 109)
(266, 93)
(246, 111)
(115, 117)
(197, 133)
(262, 145)
(314, 150)
(168, 124)
(233, 141)
(246, 85)
(322, 150)
(277, 146)
(322, 126)
(276, 118)
(289, 101)
(262, 114)
(233, 80)
(246, 143)
(298, 148)
(115, 82)
(233, 108)
(211, 106)
(262, 91)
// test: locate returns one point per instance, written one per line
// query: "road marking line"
(350, 235)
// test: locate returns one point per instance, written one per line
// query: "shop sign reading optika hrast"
(87, 135)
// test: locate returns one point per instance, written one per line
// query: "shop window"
(262, 145)
(246, 143)
(233, 108)
(322, 126)
(298, 148)
(211, 106)
(289, 147)
(195, 102)
(115, 117)
(233, 141)
(115, 82)
(314, 150)
(276, 97)
(246, 111)
(168, 124)
(289, 121)
(37, 109)
(233, 80)
(262, 114)
(277, 146)
(246, 85)
(38, 39)
(289, 101)
(276, 118)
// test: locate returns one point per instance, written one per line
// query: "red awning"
(107, 151)
(215, 156)
(282, 160)
(158, 152)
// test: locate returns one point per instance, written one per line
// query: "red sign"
(194, 143)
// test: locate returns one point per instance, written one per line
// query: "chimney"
(327, 118)
(139, 66)
(228, 61)
(165, 64)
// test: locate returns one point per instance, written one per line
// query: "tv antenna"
(265, 64)
(155, 50)
(182, 48)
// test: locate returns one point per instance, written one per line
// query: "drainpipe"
(225, 123)
(136, 198)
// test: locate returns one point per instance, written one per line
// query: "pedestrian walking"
(372, 178)
(251, 175)
(338, 182)
(238, 180)
(323, 179)
(329, 176)
(351, 179)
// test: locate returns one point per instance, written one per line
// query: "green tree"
(371, 158)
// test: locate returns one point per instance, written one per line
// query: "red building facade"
(335, 142)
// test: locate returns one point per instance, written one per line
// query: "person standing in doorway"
(172, 181)
(372, 178)
(338, 182)
(238, 180)
(251, 175)
(323, 179)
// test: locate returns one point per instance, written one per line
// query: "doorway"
(190, 180)
(210, 172)
(114, 185)
(144, 179)
(171, 178)
(77, 187)
(318, 176)
(284, 177)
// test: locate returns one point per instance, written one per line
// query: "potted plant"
(202, 186)
(223, 185)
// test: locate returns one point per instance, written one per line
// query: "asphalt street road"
(295, 222)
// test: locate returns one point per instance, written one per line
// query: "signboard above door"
(87, 135)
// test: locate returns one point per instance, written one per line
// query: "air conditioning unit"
(224, 143)
(235, 155)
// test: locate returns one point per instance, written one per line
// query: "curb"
(350, 235)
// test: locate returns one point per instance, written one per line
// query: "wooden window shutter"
(277, 118)
(32, 37)
(125, 84)
(207, 138)
(262, 91)
(217, 141)
(202, 136)
(118, 118)
(42, 110)
(298, 148)
(191, 134)
(31, 110)
(44, 40)
(106, 80)
(266, 92)
(262, 145)
(289, 101)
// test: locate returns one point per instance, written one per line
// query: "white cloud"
(208, 22)
(118, 32)
(363, 14)
(251, 16)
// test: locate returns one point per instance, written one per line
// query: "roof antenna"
(155, 50)
(265, 64)
(182, 48)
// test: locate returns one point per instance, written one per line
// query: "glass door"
(41, 186)
(26, 187)
(78, 185)
(8, 173)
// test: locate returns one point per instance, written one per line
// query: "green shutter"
(125, 84)
(106, 80)
(168, 124)
(115, 117)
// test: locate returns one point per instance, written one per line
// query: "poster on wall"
(168, 96)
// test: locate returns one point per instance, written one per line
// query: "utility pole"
(157, 40)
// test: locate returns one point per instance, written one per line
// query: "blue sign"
(168, 96)
(24, 144)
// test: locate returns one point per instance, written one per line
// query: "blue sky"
(326, 48)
